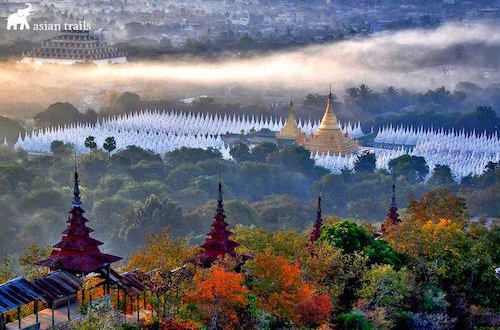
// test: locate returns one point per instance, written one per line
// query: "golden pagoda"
(290, 131)
(329, 137)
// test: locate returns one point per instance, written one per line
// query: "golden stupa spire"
(329, 120)
(290, 131)
(329, 137)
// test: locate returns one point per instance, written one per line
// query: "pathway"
(61, 316)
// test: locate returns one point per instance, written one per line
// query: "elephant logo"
(20, 18)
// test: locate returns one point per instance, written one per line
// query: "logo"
(20, 18)
(19, 21)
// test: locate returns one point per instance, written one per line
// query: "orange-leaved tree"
(280, 289)
(315, 310)
(161, 252)
(427, 220)
(218, 296)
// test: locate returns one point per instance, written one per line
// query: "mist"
(413, 59)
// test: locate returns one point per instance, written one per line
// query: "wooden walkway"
(45, 317)
(61, 317)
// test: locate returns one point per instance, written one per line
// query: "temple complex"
(217, 242)
(290, 131)
(392, 217)
(316, 232)
(74, 46)
(329, 138)
(77, 252)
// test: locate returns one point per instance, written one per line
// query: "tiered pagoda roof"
(392, 217)
(316, 232)
(77, 252)
(217, 242)
(329, 137)
(290, 131)
(73, 46)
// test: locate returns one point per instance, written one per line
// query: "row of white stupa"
(163, 132)
(463, 156)
(198, 123)
(160, 131)
(410, 136)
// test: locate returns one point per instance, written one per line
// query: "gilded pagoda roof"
(329, 137)
(290, 131)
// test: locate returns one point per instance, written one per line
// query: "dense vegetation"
(134, 192)
(434, 270)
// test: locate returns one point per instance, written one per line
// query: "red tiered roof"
(77, 252)
(316, 232)
(217, 242)
(392, 217)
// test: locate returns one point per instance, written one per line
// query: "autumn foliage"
(218, 294)
(315, 310)
(281, 291)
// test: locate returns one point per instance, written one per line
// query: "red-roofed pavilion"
(392, 217)
(77, 252)
(316, 232)
(217, 242)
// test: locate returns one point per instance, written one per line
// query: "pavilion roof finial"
(318, 212)
(393, 199)
(318, 223)
(76, 189)
(220, 205)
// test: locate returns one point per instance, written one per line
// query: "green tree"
(441, 176)
(192, 155)
(316, 101)
(181, 176)
(44, 198)
(6, 268)
(31, 256)
(59, 148)
(109, 144)
(90, 143)
(240, 153)
(385, 287)
(351, 237)
(151, 216)
(132, 155)
(260, 151)
(413, 168)
(366, 163)
(295, 158)
(346, 235)
(353, 320)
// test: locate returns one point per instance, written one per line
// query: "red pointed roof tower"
(392, 217)
(217, 242)
(316, 232)
(77, 252)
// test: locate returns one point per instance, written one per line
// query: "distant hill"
(62, 113)
(10, 128)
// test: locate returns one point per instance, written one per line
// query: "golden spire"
(290, 131)
(329, 137)
(329, 120)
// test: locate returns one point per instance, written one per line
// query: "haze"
(415, 59)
